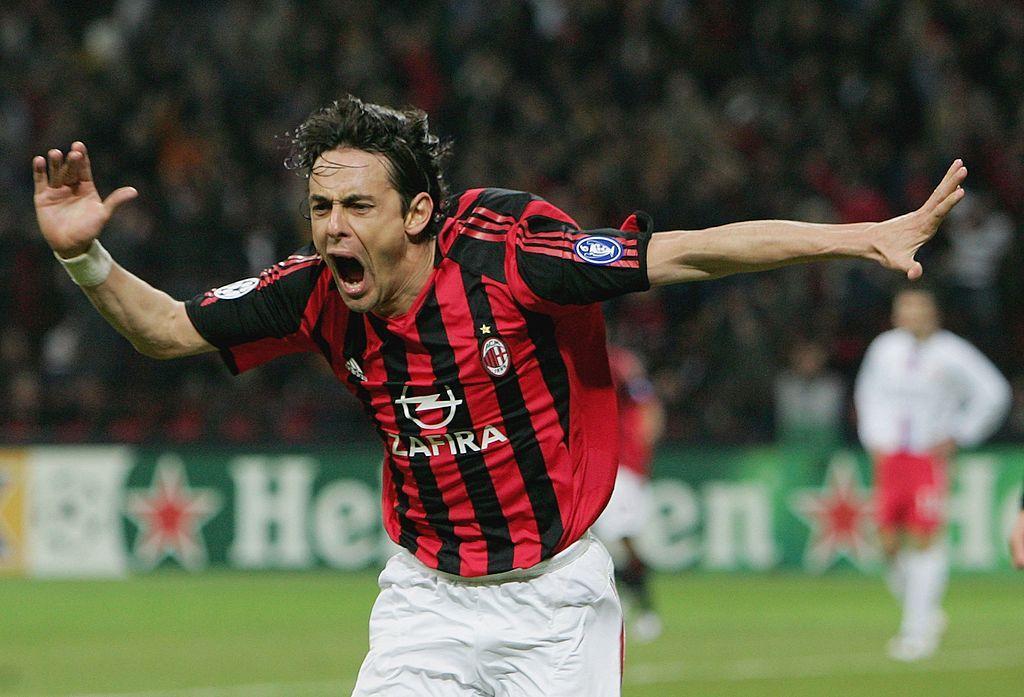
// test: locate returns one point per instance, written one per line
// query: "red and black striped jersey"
(492, 393)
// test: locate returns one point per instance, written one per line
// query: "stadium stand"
(699, 112)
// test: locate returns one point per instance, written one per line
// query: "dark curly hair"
(415, 156)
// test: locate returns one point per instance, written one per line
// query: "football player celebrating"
(469, 327)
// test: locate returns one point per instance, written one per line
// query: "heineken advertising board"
(112, 510)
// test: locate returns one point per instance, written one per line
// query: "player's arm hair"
(155, 323)
(697, 255)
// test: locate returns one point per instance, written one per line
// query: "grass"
(304, 635)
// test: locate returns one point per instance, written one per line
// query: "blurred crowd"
(699, 112)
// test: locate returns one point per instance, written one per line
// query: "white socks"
(896, 575)
(926, 572)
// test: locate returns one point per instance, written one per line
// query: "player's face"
(360, 232)
(915, 312)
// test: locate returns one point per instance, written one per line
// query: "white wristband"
(89, 269)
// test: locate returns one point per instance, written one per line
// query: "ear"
(421, 209)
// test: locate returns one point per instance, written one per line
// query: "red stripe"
(295, 258)
(484, 410)
(476, 224)
(527, 244)
(571, 249)
(567, 255)
(274, 274)
(629, 259)
(557, 253)
(485, 236)
(488, 224)
(445, 469)
(542, 207)
(556, 234)
(376, 378)
(450, 230)
(544, 420)
(267, 276)
(553, 235)
(496, 215)
(254, 353)
(545, 244)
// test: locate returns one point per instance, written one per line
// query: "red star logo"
(170, 516)
(839, 515)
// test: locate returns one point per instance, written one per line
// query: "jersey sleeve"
(256, 319)
(875, 418)
(986, 395)
(553, 266)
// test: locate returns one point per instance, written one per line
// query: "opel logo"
(427, 403)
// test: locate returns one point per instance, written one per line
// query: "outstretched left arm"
(695, 255)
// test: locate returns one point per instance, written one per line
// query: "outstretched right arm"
(71, 215)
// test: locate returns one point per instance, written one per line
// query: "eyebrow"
(347, 201)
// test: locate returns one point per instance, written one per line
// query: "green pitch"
(304, 635)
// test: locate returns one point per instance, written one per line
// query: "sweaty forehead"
(345, 171)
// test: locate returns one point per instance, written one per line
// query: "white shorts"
(553, 629)
(628, 509)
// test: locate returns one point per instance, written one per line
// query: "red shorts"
(910, 492)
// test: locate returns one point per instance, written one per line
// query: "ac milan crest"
(495, 357)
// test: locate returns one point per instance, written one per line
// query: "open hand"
(897, 240)
(69, 210)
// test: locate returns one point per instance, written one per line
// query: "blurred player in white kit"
(922, 392)
(641, 423)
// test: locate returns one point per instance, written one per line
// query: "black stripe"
(475, 474)
(273, 309)
(543, 223)
(554, 245)
(229, 360)
(519, 428)
(529, 244)
(455, 203)
(321, 341)
(481, 256)
(355, 348)
(487, 231)
(475, 213)
(397, 367)
(541, 329)
(504, 201)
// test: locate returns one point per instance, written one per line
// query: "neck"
(416, 269)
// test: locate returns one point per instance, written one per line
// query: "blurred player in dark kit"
(641, 423)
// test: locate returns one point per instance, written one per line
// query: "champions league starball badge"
(235, 290)
(495, 357)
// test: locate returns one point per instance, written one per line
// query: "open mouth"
(351, 273)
